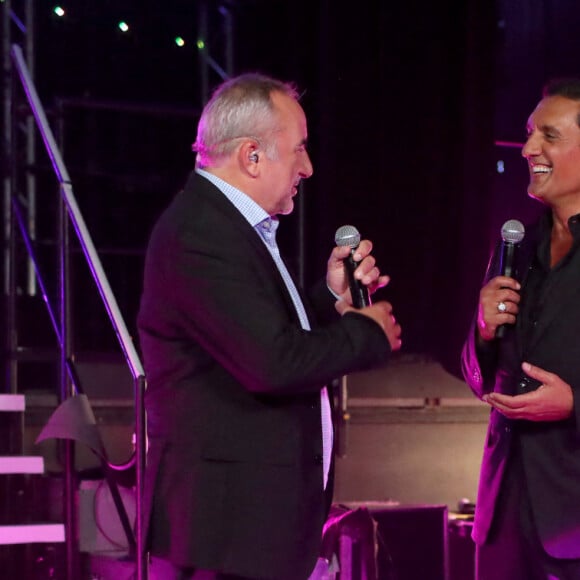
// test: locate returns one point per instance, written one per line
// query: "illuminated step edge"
(12, 403)
(21, 464)
(31, 534)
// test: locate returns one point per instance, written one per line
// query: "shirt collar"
(574, 225)
(543, 250)
(253, 213)
(547, 221)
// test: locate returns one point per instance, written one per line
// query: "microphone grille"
(347, 236)
(513, 232)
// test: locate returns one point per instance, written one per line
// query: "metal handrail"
(76, 217)
(102, 284)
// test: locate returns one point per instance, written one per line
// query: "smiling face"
(281, 172)
(552, 150)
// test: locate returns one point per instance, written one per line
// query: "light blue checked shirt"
(265, 227)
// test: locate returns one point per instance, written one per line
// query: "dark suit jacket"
(234, 476)
(550, 450)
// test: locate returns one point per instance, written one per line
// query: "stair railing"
(108, 299)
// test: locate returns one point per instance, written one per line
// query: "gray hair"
(240, 108)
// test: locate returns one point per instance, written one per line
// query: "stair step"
(12, 403)
(11, 464)
(32, 534)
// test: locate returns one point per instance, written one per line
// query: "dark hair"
(568, 87)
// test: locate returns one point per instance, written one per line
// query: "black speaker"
(412, 541)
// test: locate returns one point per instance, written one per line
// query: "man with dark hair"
(239, 474)
(527, 520)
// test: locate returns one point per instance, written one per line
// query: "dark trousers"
(514, 550)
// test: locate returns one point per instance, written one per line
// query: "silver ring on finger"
(501, 307)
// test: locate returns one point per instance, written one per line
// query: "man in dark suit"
(239, 474)
(527, 520)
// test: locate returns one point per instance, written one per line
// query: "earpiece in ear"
(253, 157)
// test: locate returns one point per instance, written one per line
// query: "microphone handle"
(500, 332)
(358, 291)
(506, 269)
(507, 259)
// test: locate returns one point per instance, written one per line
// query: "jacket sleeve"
(478, 363)
(217, 296)
(479, 358)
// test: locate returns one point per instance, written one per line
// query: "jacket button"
(318, 459)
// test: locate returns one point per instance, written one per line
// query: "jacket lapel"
(198, 185)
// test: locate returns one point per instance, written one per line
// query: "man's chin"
(287, 209)
(536, 194)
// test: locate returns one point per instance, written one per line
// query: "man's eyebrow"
(549, 129)
(545, 128)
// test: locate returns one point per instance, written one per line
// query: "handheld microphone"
(512, 233)
(349, 236)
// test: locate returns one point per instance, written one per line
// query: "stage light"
(179, 41)
(500, 166)
(59, 10)
(200, 44)
(123, 26)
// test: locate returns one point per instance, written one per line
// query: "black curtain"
(412, 103)
(404, 143)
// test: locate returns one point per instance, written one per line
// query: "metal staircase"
(22, 122)
(73, 420)
(22, 526)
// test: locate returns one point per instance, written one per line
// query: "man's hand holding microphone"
(353, 276)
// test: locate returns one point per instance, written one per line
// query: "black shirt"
(542, 279)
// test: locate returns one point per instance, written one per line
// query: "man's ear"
(250, 158)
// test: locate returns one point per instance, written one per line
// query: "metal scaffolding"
(19, 182)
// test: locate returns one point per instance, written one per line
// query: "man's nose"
(531, 146)
(307, 169)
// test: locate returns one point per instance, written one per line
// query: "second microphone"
(350, 236)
